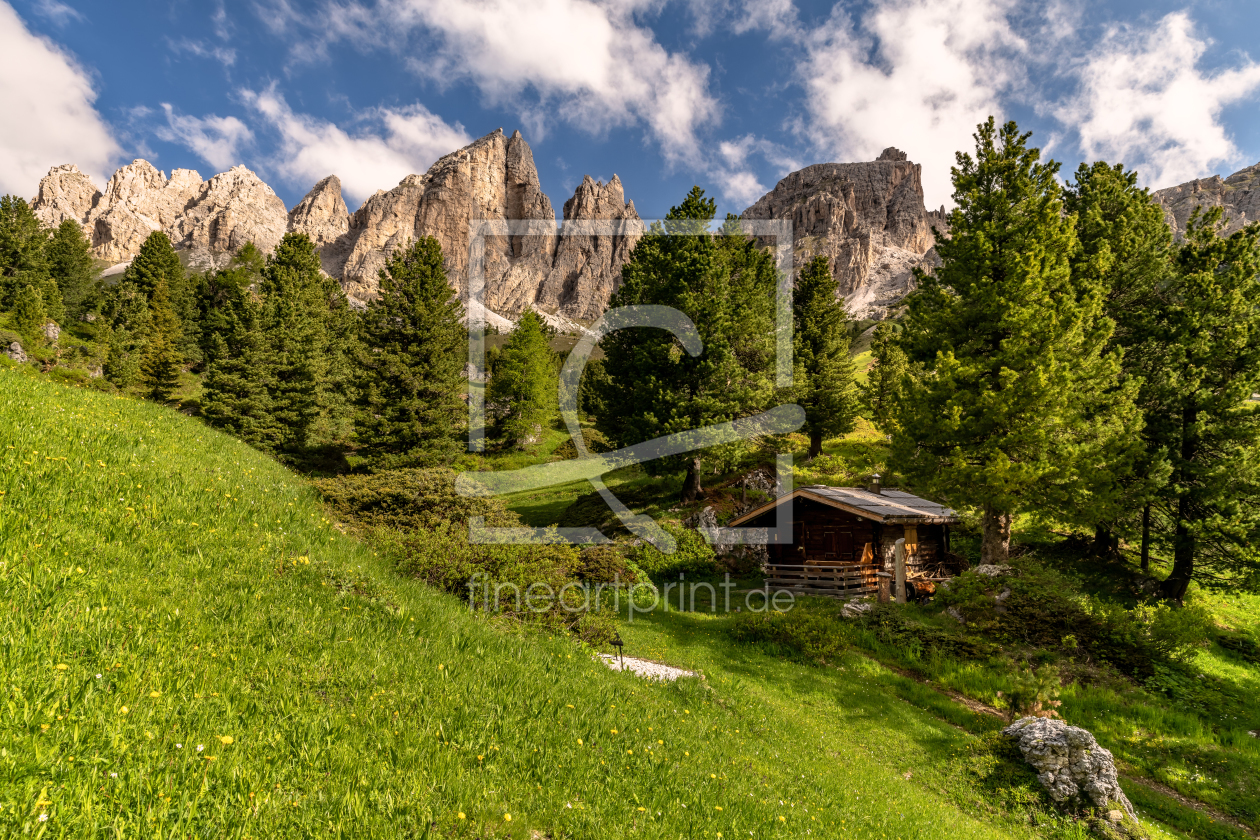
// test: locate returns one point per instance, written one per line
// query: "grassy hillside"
(191, 647)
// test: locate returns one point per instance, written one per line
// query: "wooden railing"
(844, 580)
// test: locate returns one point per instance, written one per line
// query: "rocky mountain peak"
(322, 214)
(65, 193)
(867, 219)
(1238, 195)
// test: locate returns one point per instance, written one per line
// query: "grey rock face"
(1069, 763)
(52, 332)
(1238, 195)
(322, 214)
(15, 352)
(138, 200)
(65, 193)
(230, 209)
(587, 267)
(867, 219)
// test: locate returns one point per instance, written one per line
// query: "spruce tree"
(885, 380)
(23, 251)
(1210, 330)
(1014, 401)
(824, 372)
(239, 377)
(122, 361)
(309, 329)
(411, 360)
(158, 259)
(523, 390)
(71, 266)
(653, 387)
(162, 363)
(29, 315)
(1125, 255)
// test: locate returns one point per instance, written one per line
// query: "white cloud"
(216, 140)
(733, 168)
(224, 55)
(1145, 102)
(777, 17)
(590, 63)
(57, 12)
(46, 99)
(915, 74)
(407, 140)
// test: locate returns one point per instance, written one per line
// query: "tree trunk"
(1146, 539)
(995, 545)
(815, 444)
(1105, 543)
(1178, 580)
(691, 490)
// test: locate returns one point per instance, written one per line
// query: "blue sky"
(731, 96)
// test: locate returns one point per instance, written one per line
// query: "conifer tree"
(652, 386)
(309, 330)
(158, 259)
(1210, 330)
(885, 381)
(411, 360)
(23, 251)
(160, 368)
(70, 263)
(29, 315)
(122, 361)
(524, 383)
(1014, 399)
(823, 379)
(1125, 255)
(239, 380)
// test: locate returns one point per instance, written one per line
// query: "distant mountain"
(867, 219)
(494, 178)
(1238, 195)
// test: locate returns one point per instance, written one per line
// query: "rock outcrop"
(138, 200)
(1238, 195)
(867, 219)
(230, 209)
(65, 193)
(1074, 769)
(322, 214)
(587, 267)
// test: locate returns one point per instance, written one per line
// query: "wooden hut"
(843, 536)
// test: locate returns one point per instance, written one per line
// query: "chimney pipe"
(872, 486)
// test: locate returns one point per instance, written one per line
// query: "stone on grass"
(16, 353)
(853, 609)
(992, 570)
(52, 332)
(1074, 769)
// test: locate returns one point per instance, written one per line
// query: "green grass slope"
(191, 649)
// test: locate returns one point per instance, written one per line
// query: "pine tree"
(653, 387)
(1014, 400)
(29, 315)
(156, 261)
(1125, 255)
(523, 388)
(162, 363)
(23, 251)
(824, 372)
(1210, 331)
(239, 376)
(70, 263)
(309, 331)
(411, 362)
(122, 362)
(884, 383)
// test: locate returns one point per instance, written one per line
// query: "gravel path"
(644, 668)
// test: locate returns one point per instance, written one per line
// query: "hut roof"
(891, 506)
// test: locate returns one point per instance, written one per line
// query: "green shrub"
(409, 500)
(813, 636)
(609, 564)
(1035, 692)
(693, 555)
(593, 439)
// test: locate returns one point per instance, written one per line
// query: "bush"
(409, 500)
(609, 564)
(594, 440)
(693, 555)
(1046, 610)
(814, 636)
